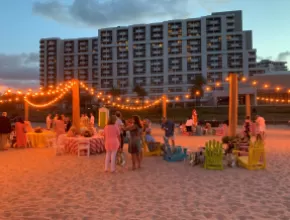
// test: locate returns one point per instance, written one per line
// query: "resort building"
(163, 58)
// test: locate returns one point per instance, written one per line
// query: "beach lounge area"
(37, 184)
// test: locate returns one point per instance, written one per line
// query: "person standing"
(189, 125)
(92, 119)
(112, 143)
(135, 148)
(48, 122)
(59, 127)
(20, 131)
(5, 130)
(168, 126)
(261, 127)
(120, 125)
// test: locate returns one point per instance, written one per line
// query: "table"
(39, 139)
(97, 144)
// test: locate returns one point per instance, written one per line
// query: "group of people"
(114, 133)
(12, 135)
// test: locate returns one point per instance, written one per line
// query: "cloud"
(19, 70)
(283, 56)
(106, 13)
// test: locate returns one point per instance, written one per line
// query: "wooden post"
(26, 111)
(76, 105)
(248, 105)
(233, 104)
(164, 106)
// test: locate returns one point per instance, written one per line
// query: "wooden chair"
(213, 155)
(147, 152)
(256, 159)
(84, 144)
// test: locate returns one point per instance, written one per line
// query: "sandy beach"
(36, 184)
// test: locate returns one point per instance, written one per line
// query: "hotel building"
(162, 57)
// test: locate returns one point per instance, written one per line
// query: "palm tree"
(197, 87)
(115, 92)
(141, 92)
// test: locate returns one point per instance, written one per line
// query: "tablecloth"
(39, 139)
(97, 144)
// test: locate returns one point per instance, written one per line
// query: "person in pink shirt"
(112, 142)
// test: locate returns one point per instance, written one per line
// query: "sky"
(24, 22)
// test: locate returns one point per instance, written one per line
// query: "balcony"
(236, 63)
(106, 34)
(139, 69)
(214, 58)
(51, 53)
(174, 33)
(175, 50)
(156, 69)
(176, 67)
(175, 61)
(194, 66)
(156, 52)
(123, 55)
(213, 22)
(123, 71)
(139, 31)
(106, 72)
(236, 45)
(107, 57)
(230, 20)
(123, 39)
(123, 65)
(156, 63)
(138, 37)
(157, 35)
(51, 43)
(231, 26)
(68, 50)
(156, 29)
(174, 44)
(123, 49)
(106, 40)
(193, 31)
(139, 64)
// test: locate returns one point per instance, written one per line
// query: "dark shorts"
(188, 128)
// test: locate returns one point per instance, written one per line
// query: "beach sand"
(36, 184)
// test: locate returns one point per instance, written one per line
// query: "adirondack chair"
(213, 155)
(256, 159)
(147, 152)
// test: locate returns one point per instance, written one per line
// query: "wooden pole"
(26, 111)
(248, 105)
(76, 105)
(233, 104)
(164, 106)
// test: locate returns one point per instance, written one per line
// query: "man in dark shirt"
(168, 126)
(5, 130)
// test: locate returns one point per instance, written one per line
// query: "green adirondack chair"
(213, 155)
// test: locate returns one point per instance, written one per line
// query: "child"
(12, 137)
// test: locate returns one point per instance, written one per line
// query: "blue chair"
(179, 154)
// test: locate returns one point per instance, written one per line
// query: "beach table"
(39, 140)
(97, 144)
